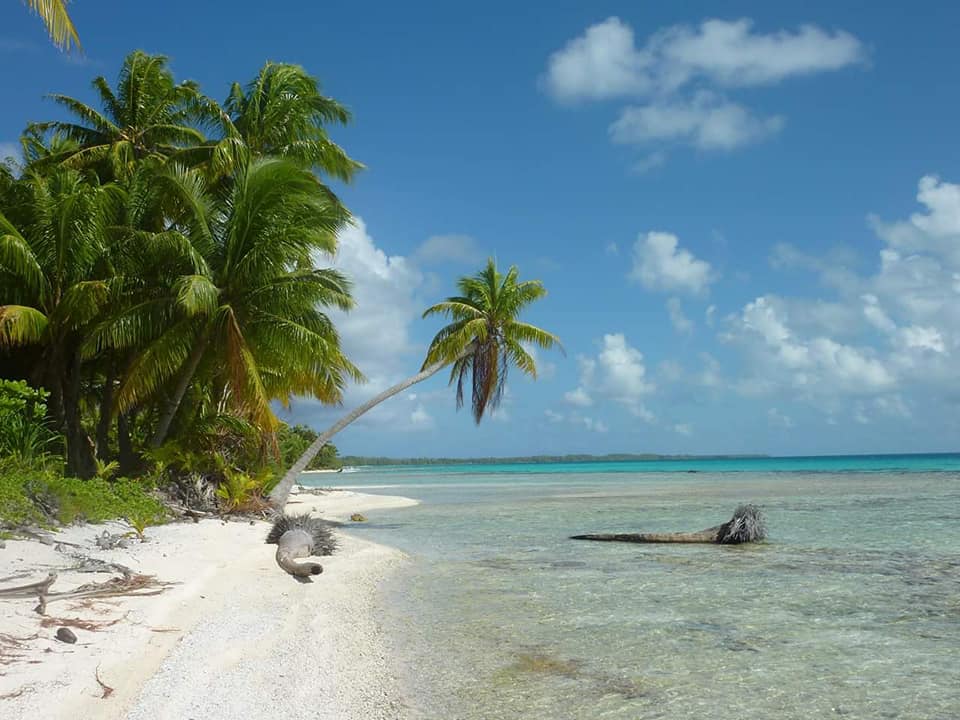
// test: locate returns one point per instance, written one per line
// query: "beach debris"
(358, 517)
(127, 586)
(107, 690)
(298, 536)
(65, 634)
(746, 526)
(110, 541)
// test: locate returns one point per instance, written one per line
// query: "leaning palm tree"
(148, 114)
(59, 25)
(484, 339)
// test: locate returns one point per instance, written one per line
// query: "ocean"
(850, 609)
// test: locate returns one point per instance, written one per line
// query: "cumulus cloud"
(660, 264)
(605, 61)
(459, 249)
(616, 374)
(376, 334)
(680, 322)
(683, 71)
(706, 121)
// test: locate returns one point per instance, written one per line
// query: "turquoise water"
(851, 609)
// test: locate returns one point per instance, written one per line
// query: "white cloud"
(375, 335)
(420, 418)
(681, 71)
(708, 315)
(680, 322)
(683, 429)
(612, 249)
(605, 61)
(648, 163)
(617, 374)
(816, 365)
(733, 55)
(459, 249)
(578, 397)
(659, 264)
(706, 121)
(553, 416)
(602, 63)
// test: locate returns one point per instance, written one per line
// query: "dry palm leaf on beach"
(747, 525)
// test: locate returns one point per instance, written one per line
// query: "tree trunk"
(704, 536)
(129, 462)
(106, 415)
(80, 460)
(279, 495)
(746, 526)
(172, 404)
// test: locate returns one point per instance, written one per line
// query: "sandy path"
(235, 638)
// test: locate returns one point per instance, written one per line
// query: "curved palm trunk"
(279, 495)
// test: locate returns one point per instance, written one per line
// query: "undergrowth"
(32, 494)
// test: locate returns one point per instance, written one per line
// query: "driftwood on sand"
(747, 525)
(131, 585)
(299, 536)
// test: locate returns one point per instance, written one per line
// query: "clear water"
(851, 609)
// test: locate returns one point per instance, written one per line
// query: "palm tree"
(244, 317)
(53, 271)
(484, 339)
(282, 113)
(147, 115)
(59, 25)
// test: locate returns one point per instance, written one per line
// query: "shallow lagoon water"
(851, 609)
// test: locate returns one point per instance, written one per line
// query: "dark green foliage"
(36, 496)
(293, 441)
(24, 432)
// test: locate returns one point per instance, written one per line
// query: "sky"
(748, 223)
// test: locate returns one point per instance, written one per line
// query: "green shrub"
(24, 433)
(39, 496)
(97, 500)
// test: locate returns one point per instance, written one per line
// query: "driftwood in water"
(299, 536)
(746, 525)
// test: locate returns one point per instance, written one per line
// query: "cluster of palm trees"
(162, 268)
(160, 257)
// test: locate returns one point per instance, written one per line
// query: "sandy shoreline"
(232, 638)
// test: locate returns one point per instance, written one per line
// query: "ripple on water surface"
(851, 609)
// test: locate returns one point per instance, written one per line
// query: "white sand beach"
(234, 637)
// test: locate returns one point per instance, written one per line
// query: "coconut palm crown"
(147, 115)
(485, 337)
(483, 341)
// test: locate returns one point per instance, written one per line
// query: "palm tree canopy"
(485, 336)
(147, 114)
(282, 113)
(237, 274)
(59, 25)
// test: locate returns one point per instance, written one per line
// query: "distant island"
(358, 460)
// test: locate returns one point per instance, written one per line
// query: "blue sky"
(748, 222)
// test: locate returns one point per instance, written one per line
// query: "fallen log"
(299, 536)
(747, 525)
